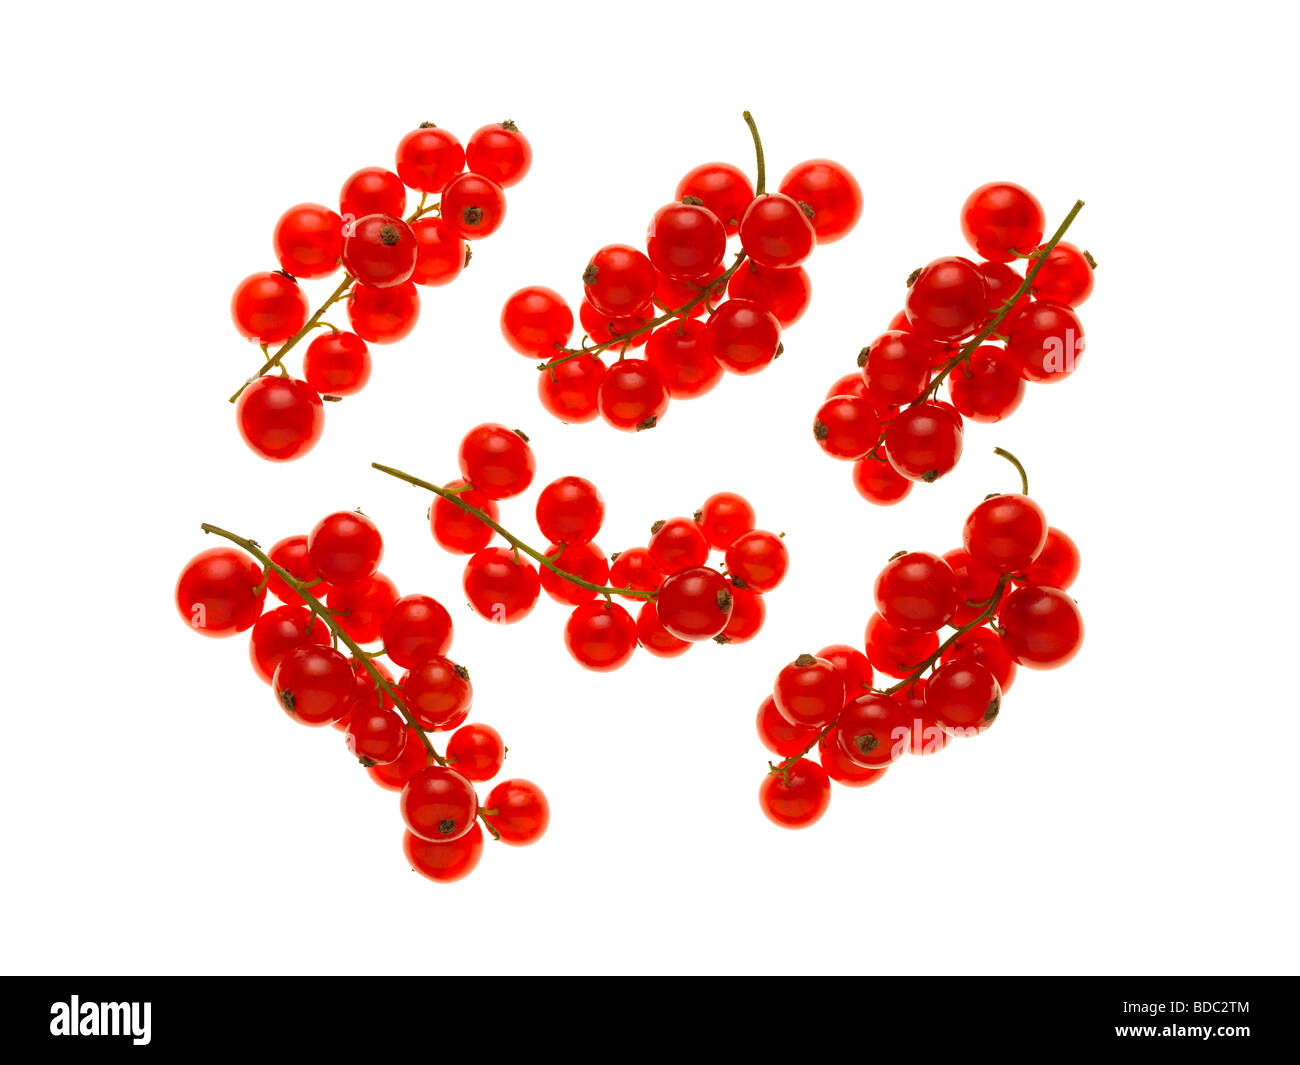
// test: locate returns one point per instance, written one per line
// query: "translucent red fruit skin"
(743, 337)
(1065, 276)
(586, 561)
(896, 653)
(785, 294)
(345, 546)
(1057, 564)
(437, 690)
(519, 811)
(280, 418)
(778, 735)
(314, 685)
(417, 626)
(679, 353)
(1042, 628)
(438, 804)
(440, 253)
(394, 775)
(500, 152)
(878, 482)
(975, 583)
(651, 634)
(292, 554)
(758, 560)
(497, 461)
(619, 280)
(685, 241)
(601, 636)
(1001, 220)
(218, 592)
(924, 442)
(831, 191)
(500, 587)
(308, 241)
(896, 367)
(984, 647)
(362, 606)
(748, 613)
(925, 735)
(1005, 533)
(724, 518)
(839, 767)
(846, 427)
(268, 308)
(570, 510)
(571, 390)
(473, 206)
(375, 735)
(694, 604)
(337, 364)
(279, 631)
(916, 592)
(776, 232)
(809, 691)
(372, 190)
(988, 387)
(454, 529)
(444, 863)
(476, 752)
(380, 251)
(797, 798)
(631, 396)
(873, 730)
(536, 322)
(383, 315)
(948, 299)
(963, 697)
(722, 188)
(678, 544)
(853, 667)
(635, 570)
(428, 158)
(1045, 342)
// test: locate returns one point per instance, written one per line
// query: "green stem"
(760, 186)
(453, 496)
(1020, 469)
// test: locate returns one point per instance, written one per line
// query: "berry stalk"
(453, 496)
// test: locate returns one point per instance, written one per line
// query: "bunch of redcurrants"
(332, 592)
(694, 318)
(682, 599)
(1004, 595)
(982, 328)
(385, 254)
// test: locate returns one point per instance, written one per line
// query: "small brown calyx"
(1087, 257)
(427, 125)
(446, 826)
(897, 554)
(698, 516)
(657, 526)
(367, 762)
(806, 208)
(331, 399)
(472, 216)
(287, 700)
(692, 201)
(721, 638)
(993, 709)
(614, 556)
(590, 274)
(389, 235)
(737, 582)
(866, 743)
(461, 672)
(911, 278)
(862, 356)
(509, 126)
(780, 350)
(521, 434)
(469, 254)
(930, 476)
(649, 423)
(724, 600)
(285, 273)
(820, 431)
(805, 660)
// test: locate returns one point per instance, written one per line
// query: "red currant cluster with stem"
(682, 600)
(335, 600)
(696, 318)
(1003, 595)
(386, 254)
(980, 327)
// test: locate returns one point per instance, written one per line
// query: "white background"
(1133, 812)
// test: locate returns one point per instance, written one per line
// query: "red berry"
(586, 561)
(632, 397)
(501, 587)
(1041, 627)
(878, 482)
(873, 730)
(896, 367)
(337, 364)
(948, 299)
(797, 798)
(601, 329)
(1045, 342)
(832, 193)
(279, 631)
(1001, 220)
(839, 767)
(985, 648)
(988, 386)
(635, 570)
(852, 666)
(1006, 532)
(383, 315)
(570, 510)
(428, 158)
(724, 518)
(748, 612)
(308, 241)
(291, 554)
(685, 241)
(673, 294)
(846, 427)
(1057, 564)
(439, 252)
(280, 418)
(372, 190)
(678, 544)
(500, 152)
(454, 529)
(896, 653)
(600, 636)
(776, 232)
(518, 810)
(743, 337)
(314, 685)
(924, 442)
(778, 735)
(417, 626)
(376, 735)
(437, 691)
(367, 691)
(476, 752)
(783, 293)
(345, 546)
(758, 560)
(497, 461)
(571, 390)
(379, 251)
(361, 607)
(444, 863)
(536, 322)
(651, 634)
(722, 188)
(976, 584)
(619, 281)
(925, 736)
(394, 775)
(220, 592)
(963, 697)
(1065, 276)
(1002, 282)
(694, 604)
(809, 692)
(438, 804)
(916, 592)
(679, 355)
(473, 206)
(268, 308)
